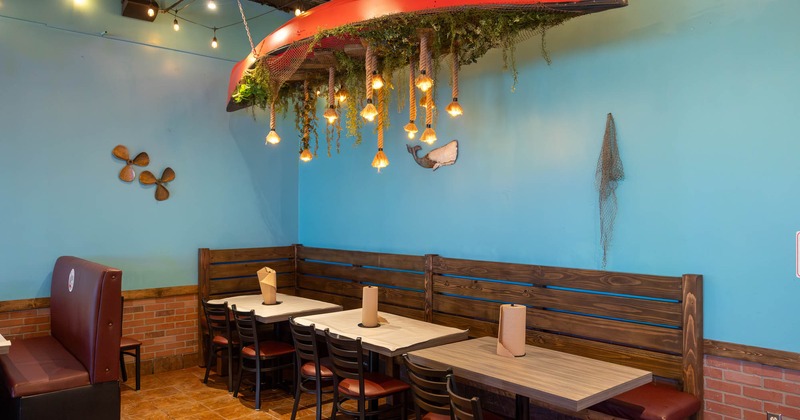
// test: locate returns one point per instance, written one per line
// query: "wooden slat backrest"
(338, 276)
(631, 319)
(229, 272)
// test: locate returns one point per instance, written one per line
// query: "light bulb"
(214, 42)
(424, 83)
(342, 94)
(306, 155)
(454, 108)
(377, 80)
(273, 137)
(380, 160)
(298, 12)
(428, 136)
(369, 112)
(411, 129)
(331, 115)
(175, 25)
(151, 12)
(77, 2)
(212, 5)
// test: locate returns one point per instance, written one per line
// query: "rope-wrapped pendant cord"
(368, 64)
(424, 55)
(429, 108)
(272, 116)
(306, 116)
(455, 69)
(381, 104)
(412, 93)
(330, 86)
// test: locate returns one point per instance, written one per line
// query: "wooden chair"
(129, 346)
(258, 356)
(463, 408)
(311, 370)
(429, 389)
(220, 339)
(352, 383)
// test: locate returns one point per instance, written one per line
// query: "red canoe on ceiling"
(337, 13)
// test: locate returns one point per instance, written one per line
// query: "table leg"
(523, 408)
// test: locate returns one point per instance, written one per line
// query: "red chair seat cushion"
(309, 370)
(220, 340)
(651, 402)
(126, 343)
(376, 385)
(269, 349)
(39, 365)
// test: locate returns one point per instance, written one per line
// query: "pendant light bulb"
(424, 83)
(331, 115)
(273, 137)
(214, 42)
(306, 155)
(212, 5)
(380, 160)
(377, 80)
(369, 112)
(454, 108)
(298, 11)
(411, 129)
(342, 95)
(151, 12)
(428, 136)
(175, 25)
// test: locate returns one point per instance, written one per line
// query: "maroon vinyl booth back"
(85, 314)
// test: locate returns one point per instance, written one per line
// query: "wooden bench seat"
(645, 321)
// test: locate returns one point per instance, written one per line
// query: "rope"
(427, 58)
(381, 101)
(330, 87)
(368, 64)
(247, 29)
(306, 116)
(272, 116)
(455, 69)
(412, 93)
(423, 54)
(429, 108)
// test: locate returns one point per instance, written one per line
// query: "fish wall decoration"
(436, 158)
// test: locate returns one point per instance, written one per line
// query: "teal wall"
(68, 97)
(705, 96)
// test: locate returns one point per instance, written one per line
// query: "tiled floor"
(181, 394)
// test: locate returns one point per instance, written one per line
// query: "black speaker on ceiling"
(139, 9)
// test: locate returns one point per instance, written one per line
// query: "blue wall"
(705, 98)
(67, 99)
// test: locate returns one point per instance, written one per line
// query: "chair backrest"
(347, 358)
(218, 319)
(429, 387)
(246, 327)
(463, 408)
(305, 343)
(85, 315)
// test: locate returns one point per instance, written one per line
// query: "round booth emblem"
(71, 282)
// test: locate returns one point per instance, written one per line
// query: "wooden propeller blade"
(141, 159)
(161, 193)
(127, 174)
(147, 178)
(168, 175)
(121, 152)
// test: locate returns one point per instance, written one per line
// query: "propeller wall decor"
(127, 173)
(147, 178)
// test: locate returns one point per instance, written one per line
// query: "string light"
(377, 80)
(298, 11)
(150, 11)
(212, 5)
(342, 94)
(424, 82)
(175, 25)
(214, 43)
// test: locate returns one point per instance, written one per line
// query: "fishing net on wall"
(607, 177)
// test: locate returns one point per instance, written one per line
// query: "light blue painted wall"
(705, 96)
(67, 99)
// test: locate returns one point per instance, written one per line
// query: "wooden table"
(4, 345)
(395, 336)
(552, 377)
(290, 306)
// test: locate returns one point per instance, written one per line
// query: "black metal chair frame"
(429, 388)
(133, 349)
(219, 324)
(463, 408)
(307, 350)
(348, 361)
(247, 327)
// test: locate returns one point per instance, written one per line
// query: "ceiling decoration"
(348, 50)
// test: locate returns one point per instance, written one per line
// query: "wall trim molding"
(770, 357)
(44, 302)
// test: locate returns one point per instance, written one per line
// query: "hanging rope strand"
(272, 116)
(412, 94)
(330, 87)
(368, 64)
(247, 29)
